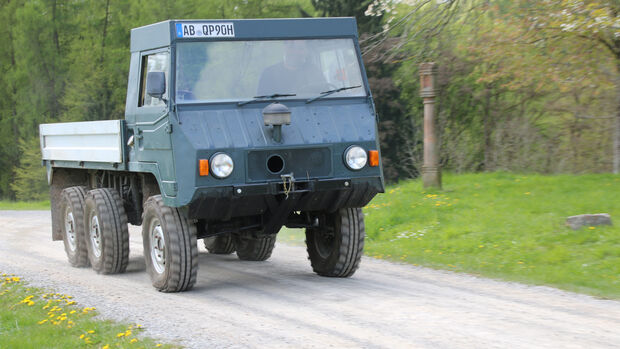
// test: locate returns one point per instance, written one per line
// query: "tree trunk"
(616, 129)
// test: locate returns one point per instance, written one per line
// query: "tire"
(251, 248)
(170, 247)
(73, 232)
(222, 244)
(106, 231)
(336, 246)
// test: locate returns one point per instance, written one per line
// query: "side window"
(151, 63)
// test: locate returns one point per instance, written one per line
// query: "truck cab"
(233, 129)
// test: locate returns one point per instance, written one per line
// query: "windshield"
(241, 70)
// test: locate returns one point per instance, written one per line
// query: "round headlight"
(221, 165)
(355, 157)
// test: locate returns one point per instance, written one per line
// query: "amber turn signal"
(373, 158)
(203, 167)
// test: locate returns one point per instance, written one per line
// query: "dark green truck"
(232, 129)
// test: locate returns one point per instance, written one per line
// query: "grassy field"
(503, 226)
(31, 318)
(24, 205)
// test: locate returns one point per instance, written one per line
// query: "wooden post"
(431, 172)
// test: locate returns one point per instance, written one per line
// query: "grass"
(31, 318)
(502, 225)
(24, 205)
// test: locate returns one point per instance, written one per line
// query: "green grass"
(24, 205)
(31, 318)
(503, 226)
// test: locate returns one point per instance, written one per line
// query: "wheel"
(170, 247)
(336, 245)
(254, 248)
(222, 244)
(73, 232)
(106, 231)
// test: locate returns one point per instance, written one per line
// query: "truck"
(232, 130)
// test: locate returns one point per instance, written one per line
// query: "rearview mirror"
(156, 84)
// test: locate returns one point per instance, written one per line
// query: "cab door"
(151, 128)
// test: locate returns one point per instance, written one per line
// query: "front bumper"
(223, 203)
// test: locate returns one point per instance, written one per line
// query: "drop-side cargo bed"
(72, 143)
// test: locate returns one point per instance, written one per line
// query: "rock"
(576, 222)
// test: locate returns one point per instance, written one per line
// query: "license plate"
(205, 30)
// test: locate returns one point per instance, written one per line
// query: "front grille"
(302, 163)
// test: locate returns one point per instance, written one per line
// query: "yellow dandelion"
(591, 228)
(42, 322)
(91, 331)
(133, 340)
(82, 336)
(105, 347)
(127, 333)
(122, 334)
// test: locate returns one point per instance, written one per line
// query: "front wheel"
(336, 244)
(170, 247)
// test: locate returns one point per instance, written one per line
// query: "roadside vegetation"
(24, 205)
(32, 318)
(502, 225)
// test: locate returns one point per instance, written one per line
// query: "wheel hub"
(95, 236)
(158, 247)
(70, 230)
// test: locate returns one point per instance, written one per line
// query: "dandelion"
(127, 333)
(105, 347)
(121, 334)
(91, 331)
(591, 228)
(42, 322)
(158, 345)
(70, 303)
(133, 340)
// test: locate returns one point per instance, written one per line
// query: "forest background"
(525, 86)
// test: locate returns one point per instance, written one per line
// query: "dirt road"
(281, 303)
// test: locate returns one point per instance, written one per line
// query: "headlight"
(355, 157)
(221, 165)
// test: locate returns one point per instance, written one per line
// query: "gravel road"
(281, 303)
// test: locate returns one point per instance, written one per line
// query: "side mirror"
(156, 84)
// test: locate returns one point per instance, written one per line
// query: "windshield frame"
(174, 67)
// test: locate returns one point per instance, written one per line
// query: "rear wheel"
(73, 232)
(336, 244)
(106, 231)
(170, 247)
(254, 248)
(222, 244)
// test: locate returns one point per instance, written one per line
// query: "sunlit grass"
(24, 205)
(32, 318)
(502, 225)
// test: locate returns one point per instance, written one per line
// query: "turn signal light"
(203, 167)
(373, 158)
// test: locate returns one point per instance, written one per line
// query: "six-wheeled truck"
(232, 129)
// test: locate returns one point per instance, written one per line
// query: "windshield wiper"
(330, 92)
(260, 98)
